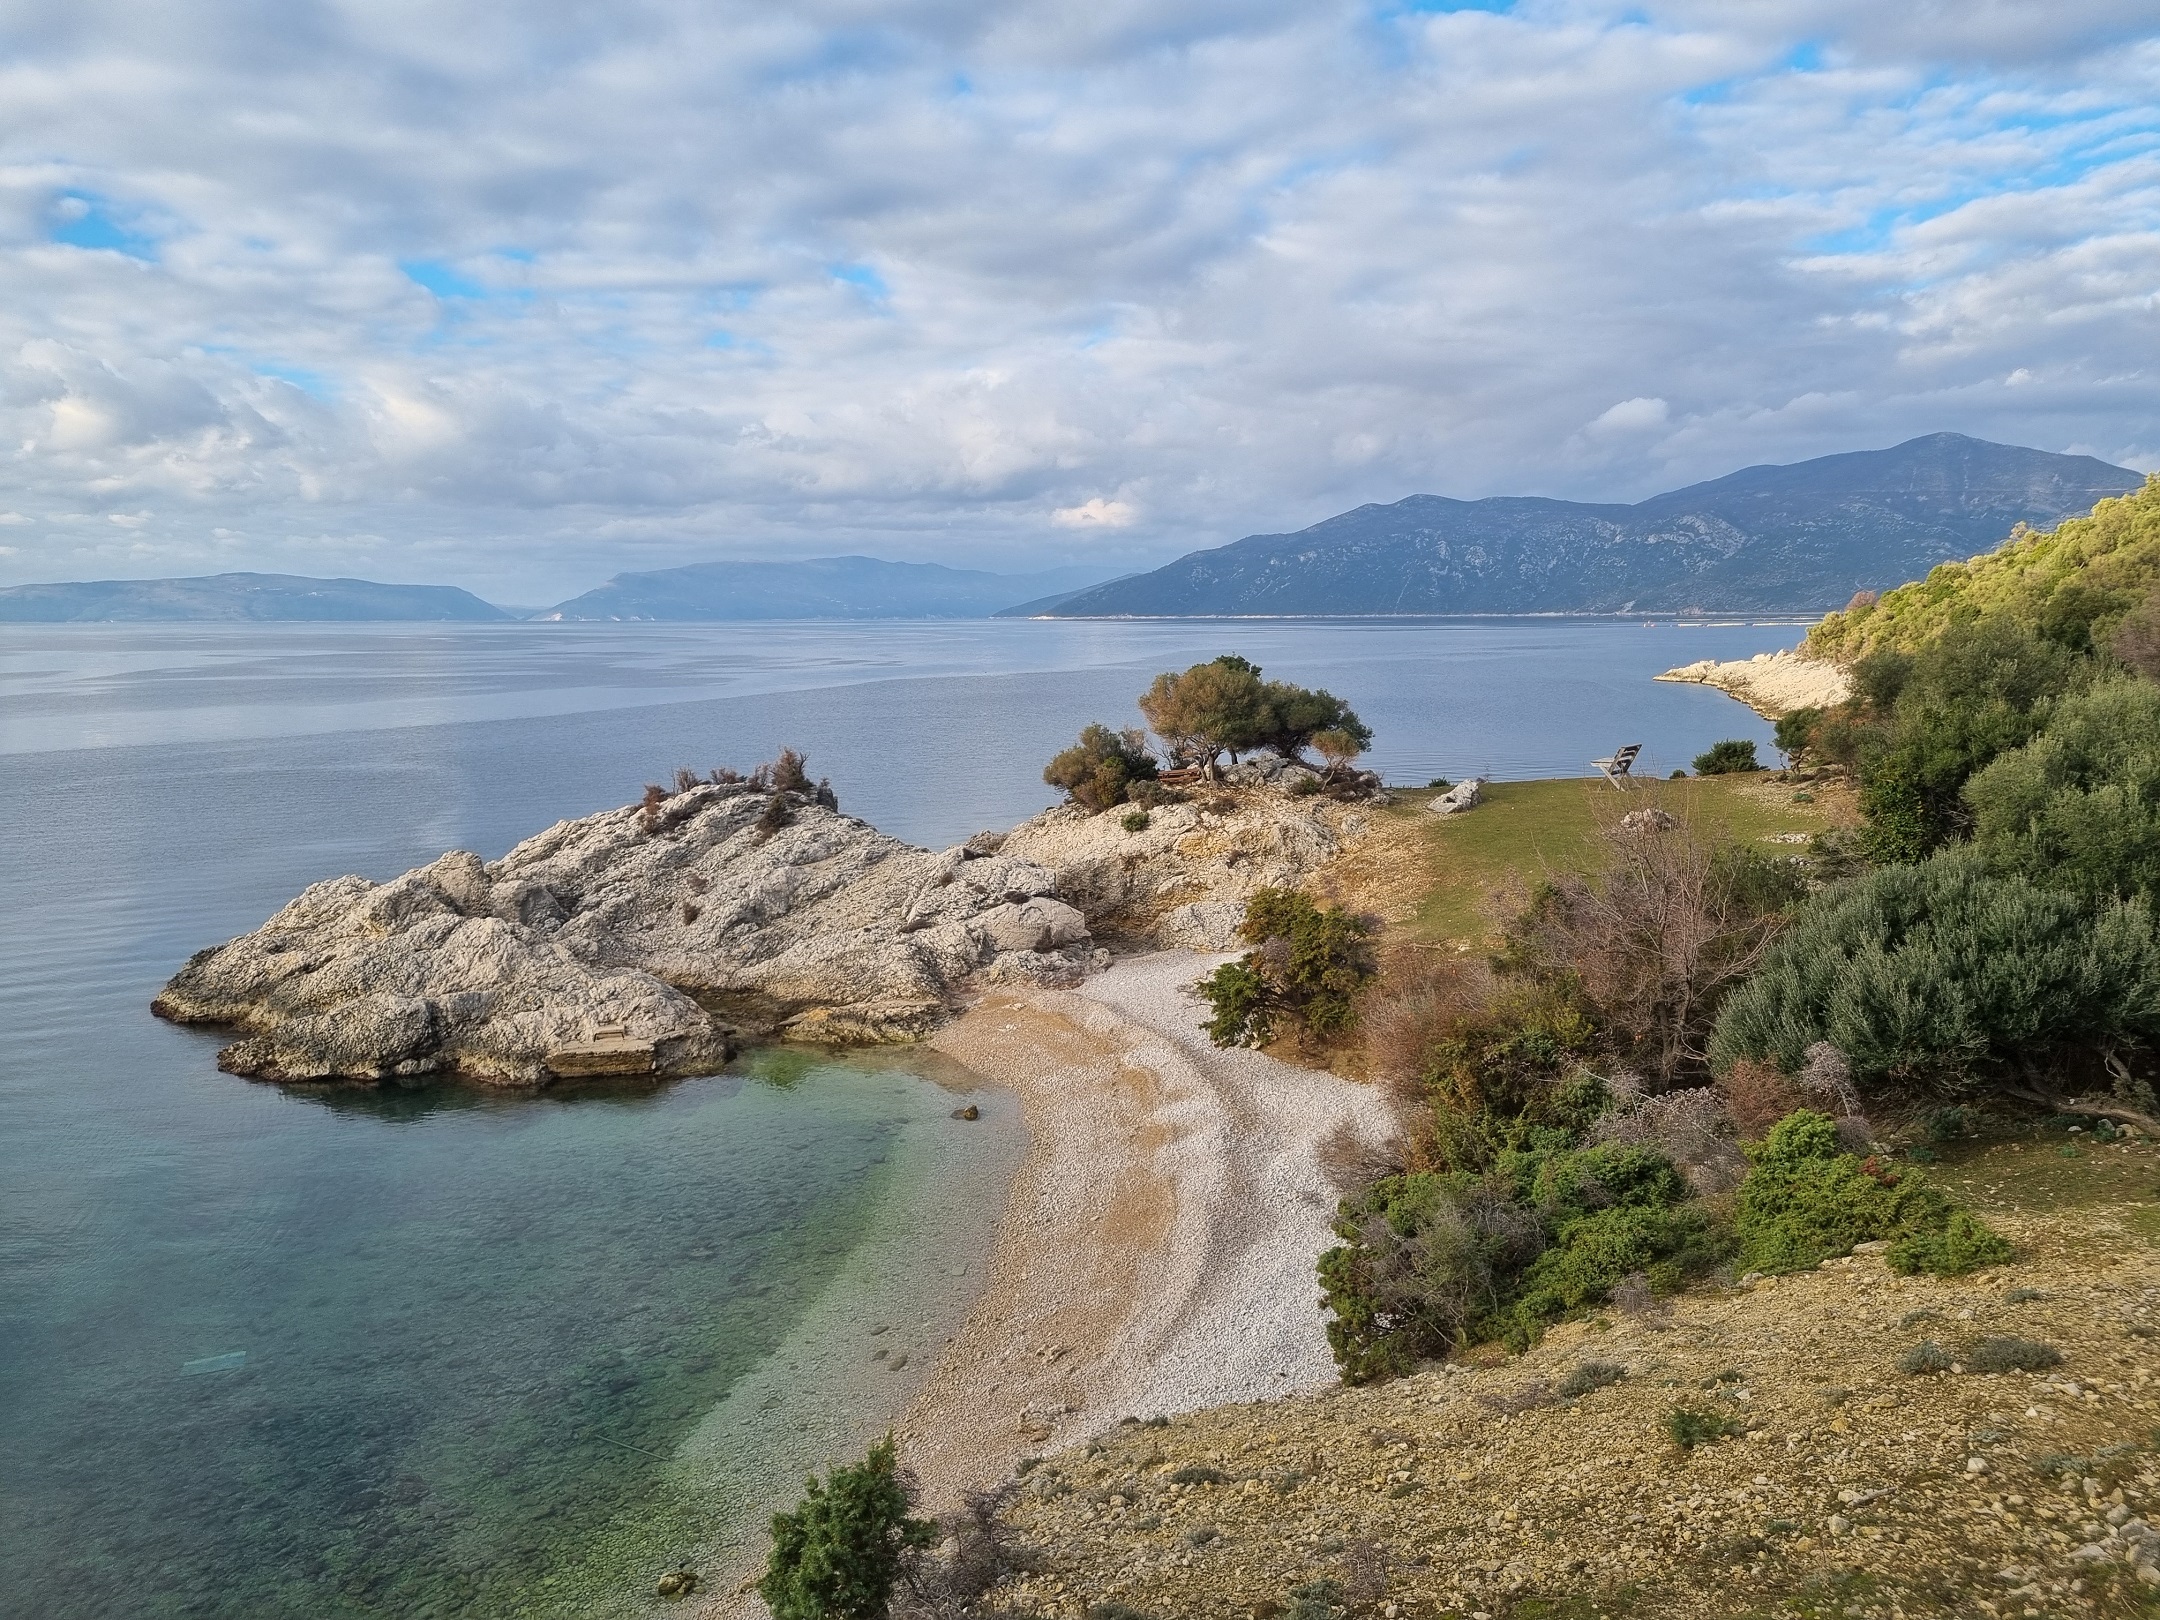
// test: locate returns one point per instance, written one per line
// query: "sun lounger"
(1620, 768)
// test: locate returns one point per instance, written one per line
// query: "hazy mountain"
(817, 588)
(1800, 538)
(289, 597)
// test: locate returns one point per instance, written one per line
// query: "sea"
(343, 1352)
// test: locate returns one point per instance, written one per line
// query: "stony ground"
(1847, 1487)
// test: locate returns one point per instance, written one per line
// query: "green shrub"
(1309, 965)
(1199, 1474)
(1316, 1600)
(1135, 821)
(2002, 1355)
(1805, 1200)
(1725, 758)
(837, 1555)
(2078, 807)
(1431, 1261)
(1688, 1427)
(1100, 769)
(1943, 975)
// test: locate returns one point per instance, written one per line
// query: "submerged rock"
(583, 951)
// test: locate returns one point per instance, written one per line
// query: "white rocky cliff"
(634, 941)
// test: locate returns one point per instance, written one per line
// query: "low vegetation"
(1725, 758)
(838, 1554)
(1300, 979)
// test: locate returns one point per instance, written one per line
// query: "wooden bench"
(1619, 770)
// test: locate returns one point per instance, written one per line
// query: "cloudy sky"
(515, 295)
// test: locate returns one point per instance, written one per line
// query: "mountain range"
(228, 597)
(1790, 539)
(820, 588)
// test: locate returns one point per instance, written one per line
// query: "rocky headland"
(646, 940)
(1773, 684)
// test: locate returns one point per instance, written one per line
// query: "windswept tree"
(1223, 707)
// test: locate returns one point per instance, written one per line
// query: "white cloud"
(530, 294)
(1630, 416)
(1096, 513)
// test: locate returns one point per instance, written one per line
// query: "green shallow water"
(439, 1354)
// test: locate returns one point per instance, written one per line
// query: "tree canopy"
(1224, 707)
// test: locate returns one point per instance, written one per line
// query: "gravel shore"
(1157, 1252)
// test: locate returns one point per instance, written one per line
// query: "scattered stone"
(1649, 819)
(969, 1112)
(677, 1583)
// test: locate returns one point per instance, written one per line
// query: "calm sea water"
(336, 1353)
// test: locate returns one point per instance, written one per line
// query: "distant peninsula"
(821, 588)
(1791, 539)
(291, 598)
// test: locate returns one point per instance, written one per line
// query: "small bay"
(340, 1352)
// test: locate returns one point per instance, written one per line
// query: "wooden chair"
(1619, 770)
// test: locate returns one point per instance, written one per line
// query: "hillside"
(816, 588)
(1549, 1486)
(1800, 538)
(2116, 550)
(226, 597)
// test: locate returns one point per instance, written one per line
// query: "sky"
(517, 296)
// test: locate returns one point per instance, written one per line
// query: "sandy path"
(1157, 1252)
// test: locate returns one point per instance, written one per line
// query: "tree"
(1338, 748)
(838, 1554)
(1099, 770)
(1298, 717)
(1223, 707)
(1211, 709)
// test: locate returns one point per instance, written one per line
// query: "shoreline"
(1156, 1250)
(1156, 1254)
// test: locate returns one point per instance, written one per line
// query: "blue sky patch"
(83, 220)
(439, 279)
(863, 278)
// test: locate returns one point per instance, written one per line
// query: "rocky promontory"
(646, 940)
(638, 940)
(1773, 684)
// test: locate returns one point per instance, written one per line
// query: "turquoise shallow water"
(268, 1353)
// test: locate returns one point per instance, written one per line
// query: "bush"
(1982, 688)
(1099, 770)
(1135, 821)
(1589, 1377)
(1942, 976)
(1924, 1358)
(1309, 965)
(778, 813)
(838, 1554)
(2002, 1355)
(1688, 1427)
(1432, 1261)
(1805, 1200)
(2078, 807)
(1725, 758)
(1669, 924)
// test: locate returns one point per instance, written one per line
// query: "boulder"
(1202, 925)
(1649, 819)
(1464, 795)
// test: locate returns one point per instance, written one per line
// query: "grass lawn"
(1526, 829)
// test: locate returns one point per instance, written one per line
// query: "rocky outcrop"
(1182, 880)
(630, 941)
(1772, 684)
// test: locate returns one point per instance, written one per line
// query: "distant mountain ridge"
(818, 588)
(1797, 538)
(292, 598)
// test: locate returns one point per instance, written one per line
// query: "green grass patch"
(1525, 830)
